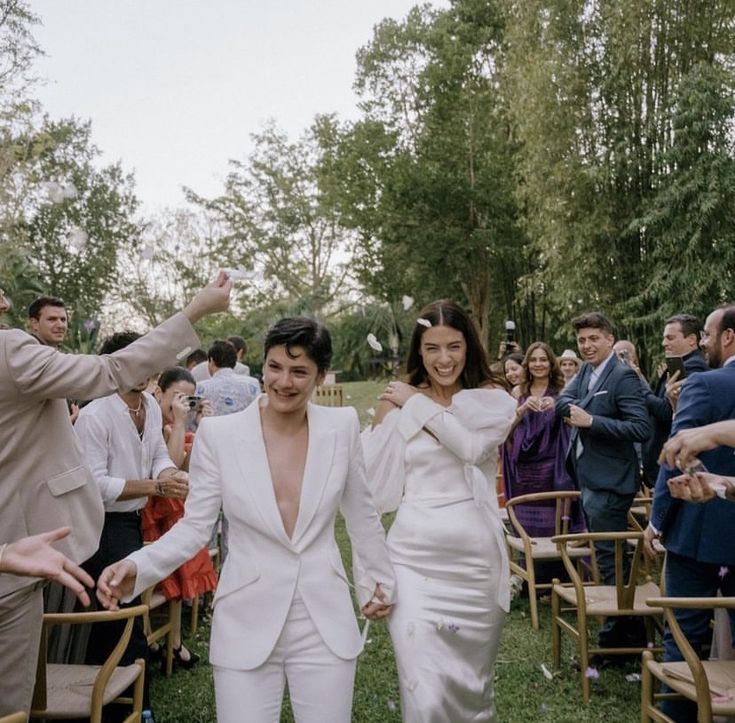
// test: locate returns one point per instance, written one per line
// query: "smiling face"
(568, 368)
(513, 372)
(594, 344)
(539, 365)
(289, 378)
(444, 354)
(675, 343)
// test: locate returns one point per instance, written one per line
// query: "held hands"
(398, 393)
(578, 417)
(34, 556)
(116, 582)
(214, 297)
(377, 608)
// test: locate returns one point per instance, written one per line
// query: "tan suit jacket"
(44, 480)
(264, 567)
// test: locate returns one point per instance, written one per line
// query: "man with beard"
(700, 546)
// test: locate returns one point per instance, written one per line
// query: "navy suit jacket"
(703, 532)
(619, 418)
(661, 415)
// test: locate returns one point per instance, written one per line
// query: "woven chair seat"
(545, 549)
(720, 675)
(603, 599)
(70, 688)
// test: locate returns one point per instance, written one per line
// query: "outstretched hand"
(116, 582)
(214, 297)
(35, 557)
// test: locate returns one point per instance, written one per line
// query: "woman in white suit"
(281, 468)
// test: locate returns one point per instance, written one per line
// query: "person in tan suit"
(45, 481)
(282, 468)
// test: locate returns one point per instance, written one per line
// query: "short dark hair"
(172, 375)
(118, 340)
(689, 324)
(304, 332)
(593, 320)
(476, 372)
(196, 357)
(238, 342)
(38, 305)
(223, 354)
(727, 320)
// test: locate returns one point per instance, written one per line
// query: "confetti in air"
(374, 343)
(69, 190)
(54, 191)
(147, 253)
(424, 322)
(407, 303)
(723, 572)
(239, 274)
(77, 238)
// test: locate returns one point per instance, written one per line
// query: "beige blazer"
(44, 480)
(264, 567)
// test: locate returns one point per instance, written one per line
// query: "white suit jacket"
(264, 567)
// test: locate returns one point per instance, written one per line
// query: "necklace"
(136, 411)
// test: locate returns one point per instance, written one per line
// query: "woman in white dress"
(282, 469)
(432, 454)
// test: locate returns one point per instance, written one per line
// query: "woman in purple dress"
(534, 454)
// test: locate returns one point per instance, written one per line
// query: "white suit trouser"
(319, 683)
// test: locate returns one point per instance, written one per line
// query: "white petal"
(424, 322)
(374, 343)
(69, 191)
(547, 673)
(55, 192)
(239, 274)
(77, 238)
(147, 253)
(407, 303)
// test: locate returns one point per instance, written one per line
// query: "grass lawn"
(523, 693)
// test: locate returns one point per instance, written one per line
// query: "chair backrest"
(669, 604)
(329, 395)
(40, 693)
(625, 585)
(563, 501)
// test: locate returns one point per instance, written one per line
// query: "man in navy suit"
(699, 540)
(604, 406)
(680, 338)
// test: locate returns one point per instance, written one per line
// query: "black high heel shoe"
(184, 663)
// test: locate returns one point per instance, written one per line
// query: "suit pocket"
(65, 482)
(236, 574)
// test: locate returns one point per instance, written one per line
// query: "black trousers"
(121, 535)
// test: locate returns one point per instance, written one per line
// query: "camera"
(510, 331)
(194, 401)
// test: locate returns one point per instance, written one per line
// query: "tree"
(279, 223)
(428, 172)
(690, 225)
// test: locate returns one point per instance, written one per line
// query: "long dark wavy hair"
(476, 372)
(556, 376)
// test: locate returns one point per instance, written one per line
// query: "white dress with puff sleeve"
(437, 466)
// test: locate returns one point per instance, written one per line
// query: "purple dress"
(533, 461)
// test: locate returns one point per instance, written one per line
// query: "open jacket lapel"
(316, 471)
(249, 452)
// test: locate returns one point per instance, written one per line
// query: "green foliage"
(691, 221)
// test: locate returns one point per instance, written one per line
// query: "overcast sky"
(175, 87)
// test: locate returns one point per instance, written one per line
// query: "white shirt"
(201, 371)
(115, 452)
(597, 371)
